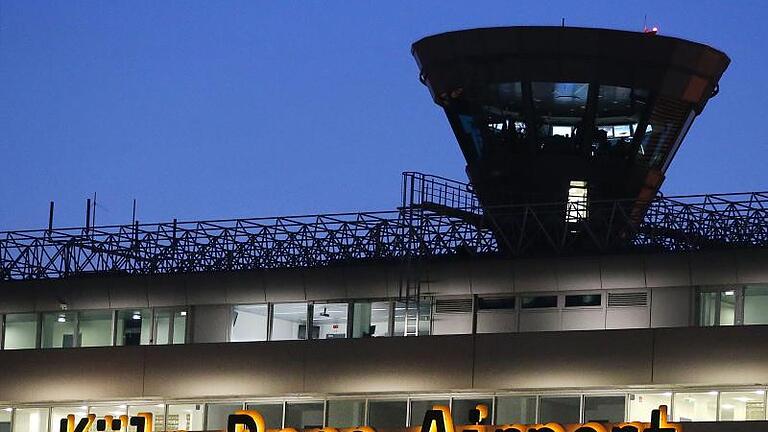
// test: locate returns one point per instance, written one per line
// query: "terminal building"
(557, 284)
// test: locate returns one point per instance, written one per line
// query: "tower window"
(577, 201)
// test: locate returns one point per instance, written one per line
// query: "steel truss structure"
(439, 217)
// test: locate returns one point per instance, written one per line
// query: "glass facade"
(461, 408)
(158, 414)
(740, 406)
(515, 409)
(695, 406)
(170, 326)
(271, 411)
(134, 327)
(5, 419)
(58, 330)
(289, 321)
(346, 413)
(249, 323)
(370, 319)
(604, 408)
(20, 331)
(420, 406)
(304, 415)
(95, 328)
(732, 305)
(218, 414)
(389, 414)
(30, 420)
(756, 305)
(330, 320)
(495, 126)
(185, 417)
(560, 409)
(413, 318)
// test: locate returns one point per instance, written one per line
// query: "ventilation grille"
(628, 299)
(453, 306)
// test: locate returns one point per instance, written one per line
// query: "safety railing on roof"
(673, 223)
(430, 190)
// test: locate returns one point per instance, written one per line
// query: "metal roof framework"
(439, 217)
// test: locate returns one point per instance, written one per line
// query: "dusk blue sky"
(204, 109)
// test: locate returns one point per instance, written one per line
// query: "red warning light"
(650, 30)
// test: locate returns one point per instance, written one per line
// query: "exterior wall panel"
(516, 361)
(563, 360)
(492, 277)
(210, 323)
(671, 307)
(727, 355)
(582, 273)
(619, 271)
(531, 275)
(663, 270)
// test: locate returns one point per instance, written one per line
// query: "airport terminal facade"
(594, 308)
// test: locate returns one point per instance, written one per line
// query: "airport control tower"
(567, 115)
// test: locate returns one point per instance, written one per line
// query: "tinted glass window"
(538, 302)
(385, 414)
(560, 409)
(607, 409)
(583, 300)
(304, 415)
(346, 413)
(272, 413)
(490, 303)
(516, 409)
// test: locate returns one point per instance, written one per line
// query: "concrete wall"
(556, 360)
(442, 277)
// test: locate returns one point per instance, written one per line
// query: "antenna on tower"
(652, 30)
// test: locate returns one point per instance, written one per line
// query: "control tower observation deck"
(568, 115)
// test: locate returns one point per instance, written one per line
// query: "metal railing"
(424, 189)
(671, 223)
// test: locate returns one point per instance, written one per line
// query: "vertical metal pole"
(93, 224)
(50, 218)
(39, 328)
(325, 412)
(408, 412)
(2, 332)
(133, 215)
(76, 339)
(88, 214)
(270, 317)
(113, 340)
(351, 320)
(310, 310)
(391, 323)
(717, 407)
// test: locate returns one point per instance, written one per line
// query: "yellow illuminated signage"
(437, 419)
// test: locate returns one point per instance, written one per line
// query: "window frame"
(738, 292)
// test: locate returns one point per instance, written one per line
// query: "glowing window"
(622, 131)
(561, 130)
(577, 201)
